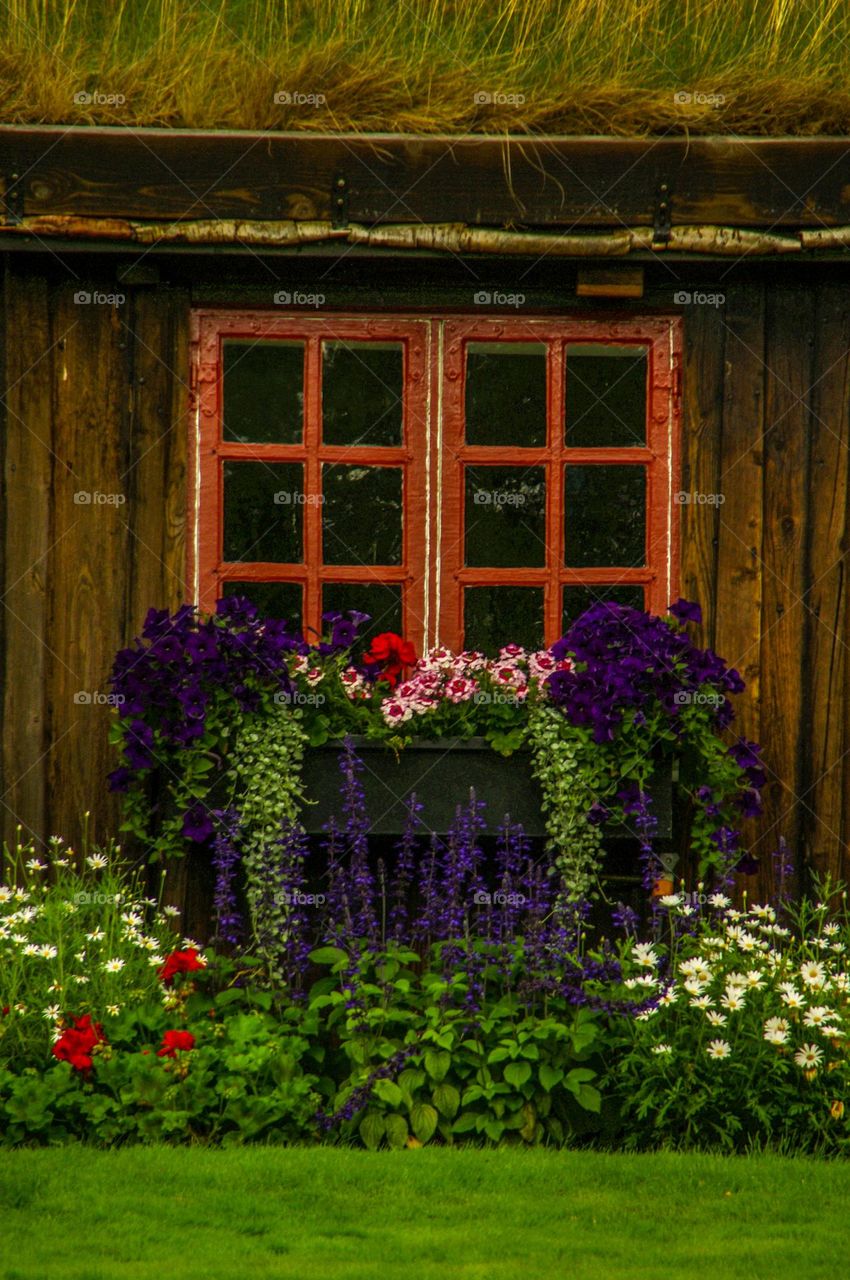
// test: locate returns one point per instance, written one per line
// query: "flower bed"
(223, 709)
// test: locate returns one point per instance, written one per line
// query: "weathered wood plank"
(790, 320)
(826, 674)
(155, 473)
(89, 556)
(702, 408)
(739, 553)
(479, 180)
(27, 481)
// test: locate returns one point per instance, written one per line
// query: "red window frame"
(207, 568)
(658, 576)
(432, 456)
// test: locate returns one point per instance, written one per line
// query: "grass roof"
(627, 67)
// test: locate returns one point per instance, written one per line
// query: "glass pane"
(361, 515)
(273, 599)
(605, 516)
(362, 393)
(506, 393)
(382, 601)
(263, 392)
(505, 516)
(605, 396)
(263, 502)
(578, 599)
(494, 616)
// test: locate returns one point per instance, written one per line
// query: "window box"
(441, 773)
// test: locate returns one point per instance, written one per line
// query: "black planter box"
(441, 773)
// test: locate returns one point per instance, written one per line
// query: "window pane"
(506, 393)
(579, 599)
(361, 515)
(273, 599)
(605, 516)
(382, 601)
(362, 393)
(263, 502)
(605, 396)
(505, 516)
(263, 392)
(494, 616)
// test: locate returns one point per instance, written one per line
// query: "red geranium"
(174, 1040)
(75, 1045)
(180, 962)
(392, 653)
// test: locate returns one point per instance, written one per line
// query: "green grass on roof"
(755, 67)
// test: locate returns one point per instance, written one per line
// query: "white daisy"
(96, 935)
(156, 959)
(830, 929)
(52, 1013)
(719, 900)
(97, 861)
(30, 949)
(817, 1016)
(670, 996)
(776, 1030)
(662, 1048)
(694, 986)
(719, 1049)
(670, 900)
(5, 893)
(114, 966)
(643, 954)
(733, 1000)
(170, 911)
(754, 979)
(793, 999)
(716, 1019)
(47, 952)
(701, 1002)
(79, 978)
(809, 1056)
(813, 973)
(35, 864)
(841, 981)
(646, 1015)
(736, 979)
(113, 1010)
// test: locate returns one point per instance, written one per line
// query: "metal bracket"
(662, 218)
(13, 198)
(339, 201)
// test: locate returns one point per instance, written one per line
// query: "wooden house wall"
(96, 400)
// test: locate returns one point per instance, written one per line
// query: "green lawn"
(259, 1213)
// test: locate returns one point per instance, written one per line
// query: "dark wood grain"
(790, 321)
(482, 181)
(26, 587)
(702, 408)
(824, 815)
(88, 557)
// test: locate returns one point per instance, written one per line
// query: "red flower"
(180, 962)
(174, 1040)
(392, 653)
(75, 1045)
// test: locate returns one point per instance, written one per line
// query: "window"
(463, 480)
